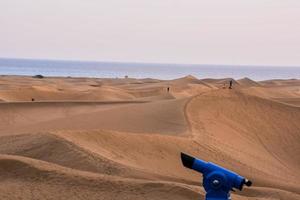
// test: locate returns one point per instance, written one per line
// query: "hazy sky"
(259, 32)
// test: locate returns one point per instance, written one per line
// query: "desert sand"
(88, 138)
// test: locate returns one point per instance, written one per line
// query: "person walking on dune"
(230, 84)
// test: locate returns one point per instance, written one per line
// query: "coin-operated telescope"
(217, 181)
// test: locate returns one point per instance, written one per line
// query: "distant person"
(168, 89)
(32, 99)
(230, 84)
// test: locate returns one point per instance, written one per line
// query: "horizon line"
(141, 62)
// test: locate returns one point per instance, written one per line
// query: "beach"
(121, 138)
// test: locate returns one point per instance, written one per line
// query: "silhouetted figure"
(32, 99)
(168, 89)
(230, 84)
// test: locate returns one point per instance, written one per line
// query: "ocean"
(32, 67)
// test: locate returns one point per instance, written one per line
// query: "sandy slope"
(24, 178)
(247, 82)
(284, 91)
(266, 143)
(121, 138)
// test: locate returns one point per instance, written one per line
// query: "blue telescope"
(217, 181)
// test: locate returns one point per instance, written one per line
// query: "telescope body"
(217, 181)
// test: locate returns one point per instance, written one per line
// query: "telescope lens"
(187, 160)
(248, 182)
(245, 182)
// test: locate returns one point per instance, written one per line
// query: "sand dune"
(40, 93)
(247, 82)
(42, 180)
(17, 116)
(280, 82)
(121, 138)
(285, 91)
(157, 117)
(58, 150)
(267, 138)
(220, 82)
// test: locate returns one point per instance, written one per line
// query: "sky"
(233, 32)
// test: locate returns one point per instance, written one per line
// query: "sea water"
(32, 67)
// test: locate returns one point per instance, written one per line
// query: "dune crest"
(247, 82)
